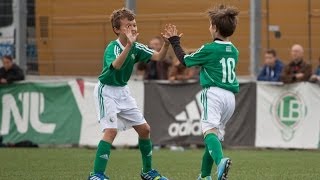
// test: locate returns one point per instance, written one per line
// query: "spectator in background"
(272, 67)
(297, 70)
(10, 72)
(316, 76)
(155, 70)
(180, 72)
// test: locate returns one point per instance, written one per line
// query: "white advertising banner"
(288, 116)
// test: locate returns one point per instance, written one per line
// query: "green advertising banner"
(44, 113)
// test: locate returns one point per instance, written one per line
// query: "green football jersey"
(114, 77)
(218, 61)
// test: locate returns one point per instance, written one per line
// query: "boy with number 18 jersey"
(218, 61)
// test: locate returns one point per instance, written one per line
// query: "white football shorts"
(116, 108)
(218, 107)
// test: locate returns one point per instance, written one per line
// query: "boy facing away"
(116, 108)
(218, 61)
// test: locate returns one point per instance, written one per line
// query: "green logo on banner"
(40, 112)
(289, 110)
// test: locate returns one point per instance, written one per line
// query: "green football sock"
(214, 147)
(102, 157)
(145, 147)
(207, 163)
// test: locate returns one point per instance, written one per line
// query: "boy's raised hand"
(170, 31)
(131, 37)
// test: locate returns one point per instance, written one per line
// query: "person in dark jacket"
(297, 70)
(272, 68)
(155, 70)
(10, 72)
(316, 76)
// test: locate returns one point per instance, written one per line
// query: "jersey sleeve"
(197, 58)
(110, 54)
(144, 53)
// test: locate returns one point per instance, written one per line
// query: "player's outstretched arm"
(131, 38)
(171, 33)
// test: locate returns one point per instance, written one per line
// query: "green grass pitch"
(75, 163)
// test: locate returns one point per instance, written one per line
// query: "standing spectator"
(155, 70)
(10, 72)
(297, 70)
(316, 76)
(272, 68)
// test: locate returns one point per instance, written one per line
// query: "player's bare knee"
(143, 130)
(211, 131)
(109, 135)
(147, 129)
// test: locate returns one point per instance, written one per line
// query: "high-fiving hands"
(170, 30)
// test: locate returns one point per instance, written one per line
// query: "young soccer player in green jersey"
(116, 108)
(218, 60)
